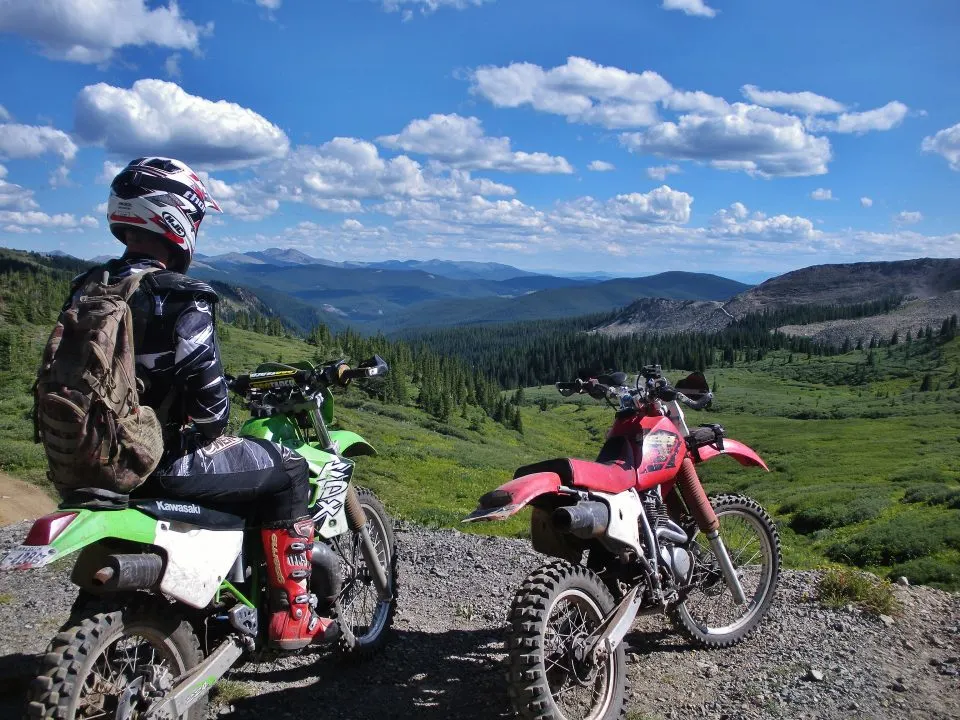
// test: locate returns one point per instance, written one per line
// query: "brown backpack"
(87, 410)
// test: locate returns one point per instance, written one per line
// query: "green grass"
(226, 692)
(841, 586)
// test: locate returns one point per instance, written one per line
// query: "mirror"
(693, 385)
(615, 379)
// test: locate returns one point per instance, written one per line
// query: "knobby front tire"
(368, 618)
(708, 616)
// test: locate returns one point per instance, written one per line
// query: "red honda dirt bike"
(636, 534)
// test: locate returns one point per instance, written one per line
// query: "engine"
(671, 539)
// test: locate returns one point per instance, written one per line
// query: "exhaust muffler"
(588, 519)
(140, 571)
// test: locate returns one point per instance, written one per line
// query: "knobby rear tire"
(705, 636)
(530, 613)
(71, 655)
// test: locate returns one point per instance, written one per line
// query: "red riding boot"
(293, 624)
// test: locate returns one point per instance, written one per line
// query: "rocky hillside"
(445, 659)
(930, 289)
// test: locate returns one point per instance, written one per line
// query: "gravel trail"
(445, 658)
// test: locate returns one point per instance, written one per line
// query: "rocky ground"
(445, 659)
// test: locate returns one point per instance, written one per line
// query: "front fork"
(357, 520)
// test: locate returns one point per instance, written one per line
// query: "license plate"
(28, 556)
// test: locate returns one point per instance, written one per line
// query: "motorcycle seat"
(610, 477)
(189, 512)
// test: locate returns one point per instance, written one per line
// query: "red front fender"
(512, 497)
(737, 450)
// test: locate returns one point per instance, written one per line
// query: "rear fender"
(64, 532)
(743, 454)
(196, 559)
(512, 497)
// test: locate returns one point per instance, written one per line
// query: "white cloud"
(690, 7)
(14, 196)
(35, 218)
(101, 208)
(822, 194)
(349, 168)
(883, 118)
(866, 202)
(171, 66)
(625, 216)
(742, 137)
(23, 141)
(737, 222)
(242, 201)
(427, 6)
(270, 4)
(581, 90)
(344, 175)
(804, 102)
(907, 217)
(660, 172)
(750, 138)
(601, 166)
(110, 170)
(90, 31)
(156, 117)
(460, 142)
(662, 205)
(60, 177)
(351, 224)
(4, 115)
(945, 142)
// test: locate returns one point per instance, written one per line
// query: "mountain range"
(407, 295)
(402, 294)
(924, 292)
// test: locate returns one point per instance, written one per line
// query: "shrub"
(921, 475)
(841, 587)
(934, 494)
(822, 517)
(905, 537)
(938, 572)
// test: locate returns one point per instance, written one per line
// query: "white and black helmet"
(163, 196)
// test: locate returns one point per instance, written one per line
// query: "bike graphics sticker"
(660, 449)
(333, 491)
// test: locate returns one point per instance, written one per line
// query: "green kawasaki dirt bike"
(173, 594)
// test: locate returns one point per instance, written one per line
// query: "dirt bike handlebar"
(338, 373)
(660, 389)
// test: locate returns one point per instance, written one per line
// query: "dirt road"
(20, 500)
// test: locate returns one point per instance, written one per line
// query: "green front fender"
(90, 526)
(351, 444)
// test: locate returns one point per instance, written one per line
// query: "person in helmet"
(155, 209)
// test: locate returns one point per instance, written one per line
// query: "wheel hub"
(583, 664)
(152, 683)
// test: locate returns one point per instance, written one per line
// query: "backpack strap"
(128, 286)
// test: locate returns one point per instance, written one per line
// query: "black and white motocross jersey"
(177, 357)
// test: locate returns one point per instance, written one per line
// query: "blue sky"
(743, 137)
